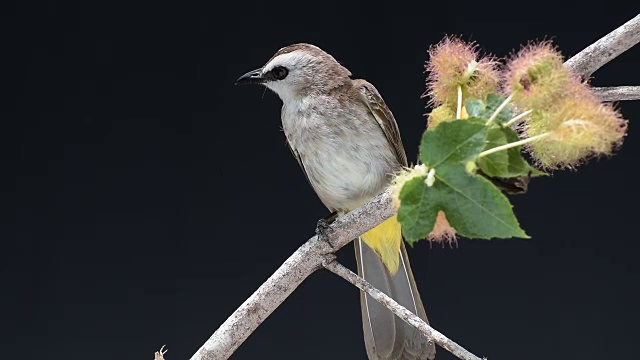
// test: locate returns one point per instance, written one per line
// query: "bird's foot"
(323, 225)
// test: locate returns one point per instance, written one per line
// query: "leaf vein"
(457, 147)
(475, 202)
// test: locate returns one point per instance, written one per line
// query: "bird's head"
(298, 70)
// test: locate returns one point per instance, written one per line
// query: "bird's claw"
(323, 225)
(321, 231)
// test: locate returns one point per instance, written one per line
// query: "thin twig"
(592, 58)
(304, 261)
(159, 355)
(618, 93)
(400, 311)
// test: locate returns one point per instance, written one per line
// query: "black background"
(144, 197)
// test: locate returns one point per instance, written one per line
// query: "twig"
(618, 93)
(159, 355)
(304, 261)
(592, 58)
(400, 311)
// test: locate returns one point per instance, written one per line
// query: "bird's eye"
(279, 72)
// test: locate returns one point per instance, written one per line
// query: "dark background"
(144, 197)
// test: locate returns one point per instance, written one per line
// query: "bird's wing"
(383, 116)
(297, 156)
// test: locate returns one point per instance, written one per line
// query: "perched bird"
(347, 143)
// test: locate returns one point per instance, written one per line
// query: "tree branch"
(400, 311)
(310, 256)
(304, 261)
(592, 58)
(618, 93)
(235, 330)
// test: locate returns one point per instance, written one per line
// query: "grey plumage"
(348, 145)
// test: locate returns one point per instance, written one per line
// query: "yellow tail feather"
(385, 240)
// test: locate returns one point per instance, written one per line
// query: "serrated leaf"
(474, 107)
(492, 103)
(473, 206)
(415, 214)
(496, 164)
(453, 142)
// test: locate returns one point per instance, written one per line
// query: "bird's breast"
(345, 154)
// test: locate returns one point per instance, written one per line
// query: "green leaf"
(456, 141)
(474, 207)
(508, 163)
(518, 166)
(474, 107)
(415, 214)
(493, 101)
(496, 164)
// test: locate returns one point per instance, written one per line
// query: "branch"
(235, 330)
(618, 93)
(587, 61)
(304, 261)
(310, 256)
(400, 311)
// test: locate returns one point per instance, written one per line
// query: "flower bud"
(442, 231)
(578, 126)
(536, 76)
(440, 114)
(453, 63)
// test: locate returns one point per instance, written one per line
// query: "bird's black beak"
(252, 77)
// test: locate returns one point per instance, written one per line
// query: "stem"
(400, 311)
(471, 68)
(459, 109)
(499, 109)
(513, 144)
(517, 118)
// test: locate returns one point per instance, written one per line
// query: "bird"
(348, 145)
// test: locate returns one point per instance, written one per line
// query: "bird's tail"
(385, 239)
(387, 336)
